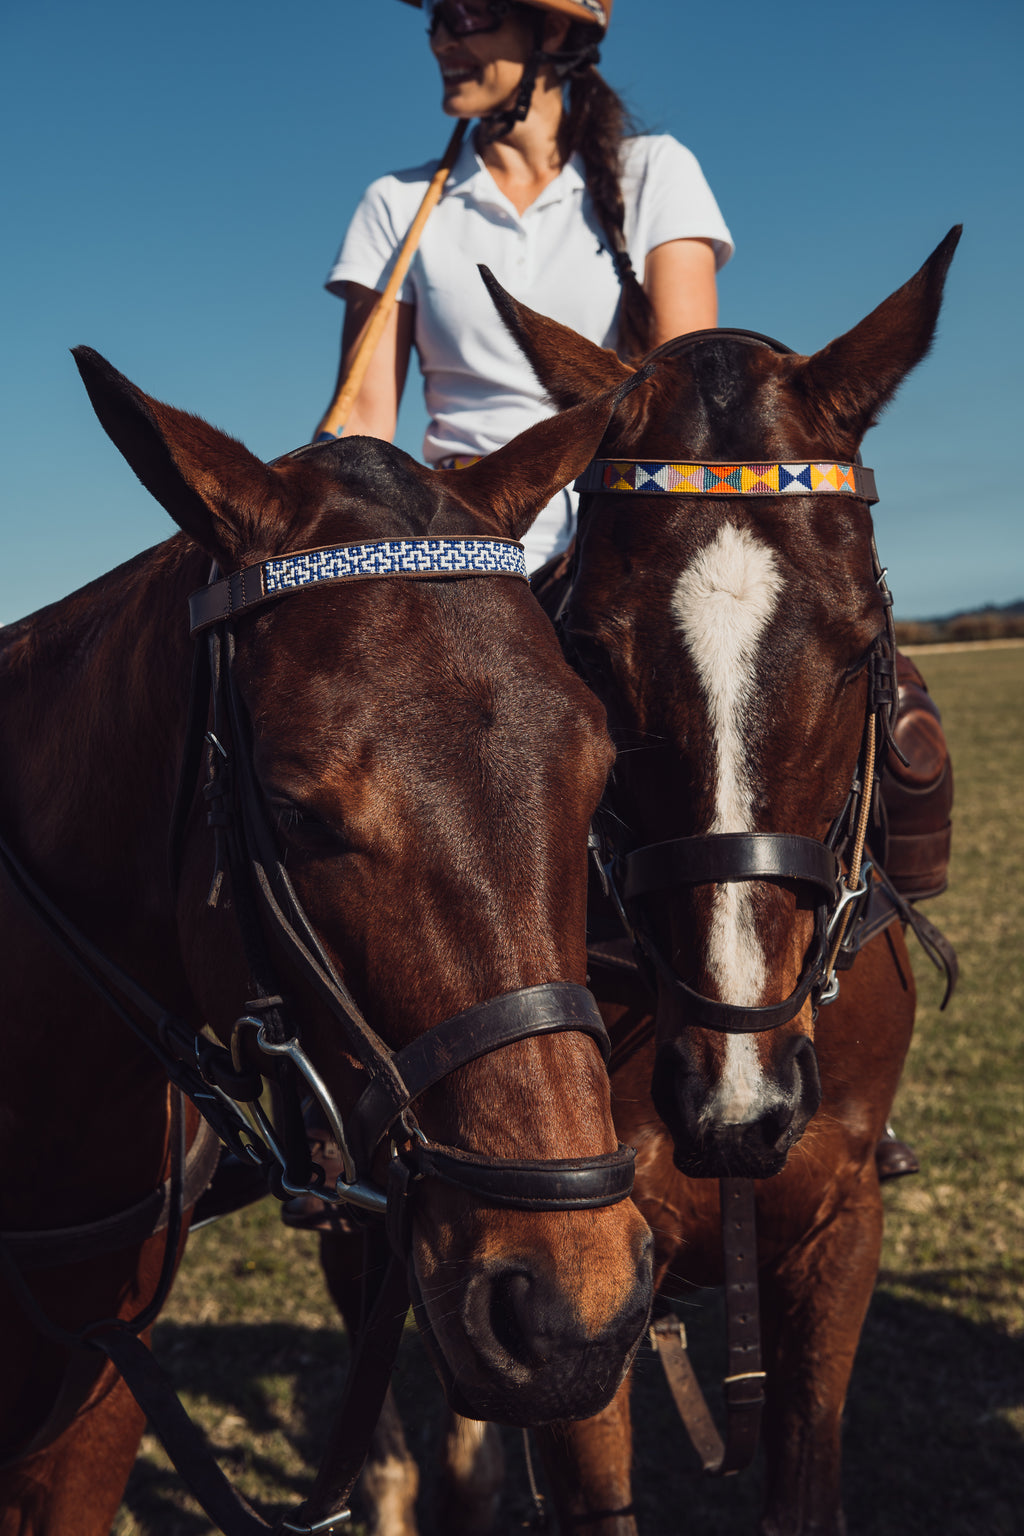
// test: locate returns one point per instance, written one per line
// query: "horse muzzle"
(541, 1331)
(740, 1116)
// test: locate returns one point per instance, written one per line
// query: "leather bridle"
(382, 1114)
(224, 1085)
(633, 877)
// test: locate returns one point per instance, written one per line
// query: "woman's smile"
(482, 71)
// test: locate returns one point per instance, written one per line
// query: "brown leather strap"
(729, 856)
(744, 1383)
(887, 905)
(669, 1339)
(550, 1007)
(531, 1184)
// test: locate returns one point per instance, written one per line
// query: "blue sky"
(176, 182)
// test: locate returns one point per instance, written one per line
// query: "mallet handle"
(350, 386)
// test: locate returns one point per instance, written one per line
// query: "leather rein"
(227, 1089)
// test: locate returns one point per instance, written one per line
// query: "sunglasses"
(463, 18)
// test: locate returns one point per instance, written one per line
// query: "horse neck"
(93, 697)
(94, 693)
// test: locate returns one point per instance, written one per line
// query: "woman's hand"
(375, 411)
(679, 280)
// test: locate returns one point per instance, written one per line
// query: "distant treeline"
(987, 624)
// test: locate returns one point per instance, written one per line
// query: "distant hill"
(993, 622)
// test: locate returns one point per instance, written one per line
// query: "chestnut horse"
(742, 646)
(422, 765)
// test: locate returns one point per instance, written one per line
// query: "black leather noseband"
(728, 856)
(719, 859)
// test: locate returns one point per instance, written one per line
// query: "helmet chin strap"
(497, 124)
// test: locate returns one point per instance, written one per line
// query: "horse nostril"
(806, 1077)
(509, 1315)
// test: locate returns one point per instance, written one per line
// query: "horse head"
(741, 643)
(421, 767)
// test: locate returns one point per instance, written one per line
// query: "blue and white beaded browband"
(437, 557)
(650, 477)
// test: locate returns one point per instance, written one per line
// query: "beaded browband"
(657, 477)
(382, 557)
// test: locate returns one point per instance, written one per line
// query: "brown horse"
(423, 766)
(741, 645)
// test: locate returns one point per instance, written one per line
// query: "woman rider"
(558, 201)
(616, 235)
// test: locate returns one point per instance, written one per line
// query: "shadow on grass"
(930, 1444)
(928, 1441)
(235, 1372)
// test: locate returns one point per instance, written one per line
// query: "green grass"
(935, 1418)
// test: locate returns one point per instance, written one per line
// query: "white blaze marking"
(723, 603)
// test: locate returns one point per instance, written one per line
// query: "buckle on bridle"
(322, 1527)
(849, 897)
(350, 1188)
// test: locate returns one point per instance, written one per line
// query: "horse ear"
(856, 375)
(212, 486)
(569, 367)
(509, 487)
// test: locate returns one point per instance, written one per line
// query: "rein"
(227, 1089)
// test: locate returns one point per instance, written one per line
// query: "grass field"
(935, 1418)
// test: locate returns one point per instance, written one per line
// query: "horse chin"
(726, 1157)
(489, 1371)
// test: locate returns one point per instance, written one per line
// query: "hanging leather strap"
(744, 1383)
(668, 1336)
(375, 1349)
(184, 1443)
(373, 1360)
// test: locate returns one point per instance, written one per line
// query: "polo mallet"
(350, 386)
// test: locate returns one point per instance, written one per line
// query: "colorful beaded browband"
(657, 477)
(383, 557)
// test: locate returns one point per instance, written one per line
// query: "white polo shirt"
(480, 391)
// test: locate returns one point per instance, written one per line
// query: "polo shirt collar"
(472, 180)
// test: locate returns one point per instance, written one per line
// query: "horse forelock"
(384, 493)
(374, 491)
(717, 397)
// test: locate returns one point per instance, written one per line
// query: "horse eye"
(585, 650)
(304, 829)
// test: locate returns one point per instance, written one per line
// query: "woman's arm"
(679, 280)
(375, 412)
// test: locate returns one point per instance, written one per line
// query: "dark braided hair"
(595, 123)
